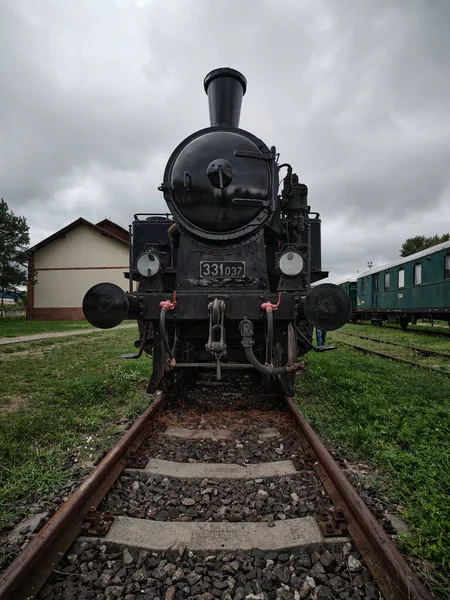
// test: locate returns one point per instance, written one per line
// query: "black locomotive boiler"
(224, 279)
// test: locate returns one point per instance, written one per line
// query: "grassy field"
(17, 326)
(396, 418)
(60, 403)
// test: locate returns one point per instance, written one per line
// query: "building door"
(375, 288)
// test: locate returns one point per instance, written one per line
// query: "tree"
(14, 241)
(420, 242)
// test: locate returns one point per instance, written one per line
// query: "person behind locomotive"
(321, 336)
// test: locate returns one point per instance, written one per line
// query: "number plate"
(222, 268)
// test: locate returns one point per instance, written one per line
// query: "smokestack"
(225, 88)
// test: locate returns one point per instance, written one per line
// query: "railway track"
(214, 493)
(421, 352)
(435, 333)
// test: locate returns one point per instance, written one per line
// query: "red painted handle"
(268, 305)
(168, 303)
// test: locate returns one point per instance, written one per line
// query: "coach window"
(387, 280)
(363, 286)
(447, 267)
(417, 274)
(401, 278)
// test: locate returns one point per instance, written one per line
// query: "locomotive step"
(179, 470)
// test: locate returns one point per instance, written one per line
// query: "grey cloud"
(95, 95)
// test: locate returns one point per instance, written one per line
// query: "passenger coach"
(403, 291)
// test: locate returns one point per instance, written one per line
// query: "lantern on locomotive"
(225, 278)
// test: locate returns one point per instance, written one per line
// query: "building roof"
(100, 228)
(115, 229)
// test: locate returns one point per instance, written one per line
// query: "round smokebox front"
(210, 185)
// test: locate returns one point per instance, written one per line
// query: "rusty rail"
(26, 575)
(394, 358)
(423, 351)
(395, 326)
(392, 573)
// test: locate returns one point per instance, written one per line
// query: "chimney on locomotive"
(225, 88)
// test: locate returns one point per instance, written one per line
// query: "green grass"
(396, 418)
(17, 326)
(60, 401)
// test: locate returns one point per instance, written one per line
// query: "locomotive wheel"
(286, 352)
(167, 382)
(305, 328)
(148, 348)
(162, 377)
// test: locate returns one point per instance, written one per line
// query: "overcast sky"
(95, 94)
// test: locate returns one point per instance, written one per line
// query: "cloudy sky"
(94, 96)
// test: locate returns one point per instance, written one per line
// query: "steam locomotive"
(224, 279)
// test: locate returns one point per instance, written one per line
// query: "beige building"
(65, 265)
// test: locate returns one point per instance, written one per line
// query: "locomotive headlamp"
(148, 264)
(291, 263)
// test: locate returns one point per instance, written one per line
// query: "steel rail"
(392, 573)
(424, 351)
(419, 331)
(26, 575)
(396, 358)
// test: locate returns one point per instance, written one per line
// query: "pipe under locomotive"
(224, 279)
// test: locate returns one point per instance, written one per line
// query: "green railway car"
(350, 286)
(403, 291)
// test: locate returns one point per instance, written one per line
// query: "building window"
(417, 274)
(401, 278)
(387, 280)
(447, 267)
(363, 286)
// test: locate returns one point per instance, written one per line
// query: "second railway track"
(214, 494)
(415, 358)
(421, 351)
(437, 332)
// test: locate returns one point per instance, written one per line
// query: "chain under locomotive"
(224, 279)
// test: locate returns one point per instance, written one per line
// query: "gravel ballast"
(246, 448)
(163, 498)
(104, 572)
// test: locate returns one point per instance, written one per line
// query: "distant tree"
(420, 242)
(14, 242)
